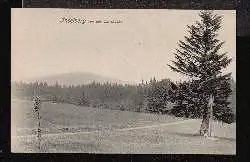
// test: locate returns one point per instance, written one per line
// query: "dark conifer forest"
(152, 96)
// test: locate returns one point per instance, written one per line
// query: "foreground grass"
(66, 117)
(105, 134)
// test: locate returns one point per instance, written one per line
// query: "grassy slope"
(179, 138)
(56, 116)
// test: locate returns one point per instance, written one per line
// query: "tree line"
(163, 97)
(107, 95)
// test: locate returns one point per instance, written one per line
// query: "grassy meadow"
(69, 128)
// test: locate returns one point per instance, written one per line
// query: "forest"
(106, 95)
(149, 96)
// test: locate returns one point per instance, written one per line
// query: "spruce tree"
(199, 57)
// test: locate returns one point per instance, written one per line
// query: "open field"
(68, 128)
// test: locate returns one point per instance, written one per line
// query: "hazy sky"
(140, 47)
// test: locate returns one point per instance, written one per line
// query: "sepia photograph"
(138, 81)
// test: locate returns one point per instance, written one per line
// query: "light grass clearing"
(96, 130)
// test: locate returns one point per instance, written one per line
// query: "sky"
(138, 48)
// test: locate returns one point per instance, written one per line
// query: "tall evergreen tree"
(200, 58)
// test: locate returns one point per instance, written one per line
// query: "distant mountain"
(75, 79)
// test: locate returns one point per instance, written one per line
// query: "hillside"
(67, 128)
(76, 78)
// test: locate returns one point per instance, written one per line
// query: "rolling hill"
(76, 78)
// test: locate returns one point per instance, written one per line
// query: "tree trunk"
(210, 105)
(206, 125)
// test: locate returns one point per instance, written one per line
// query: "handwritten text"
(85, 21)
